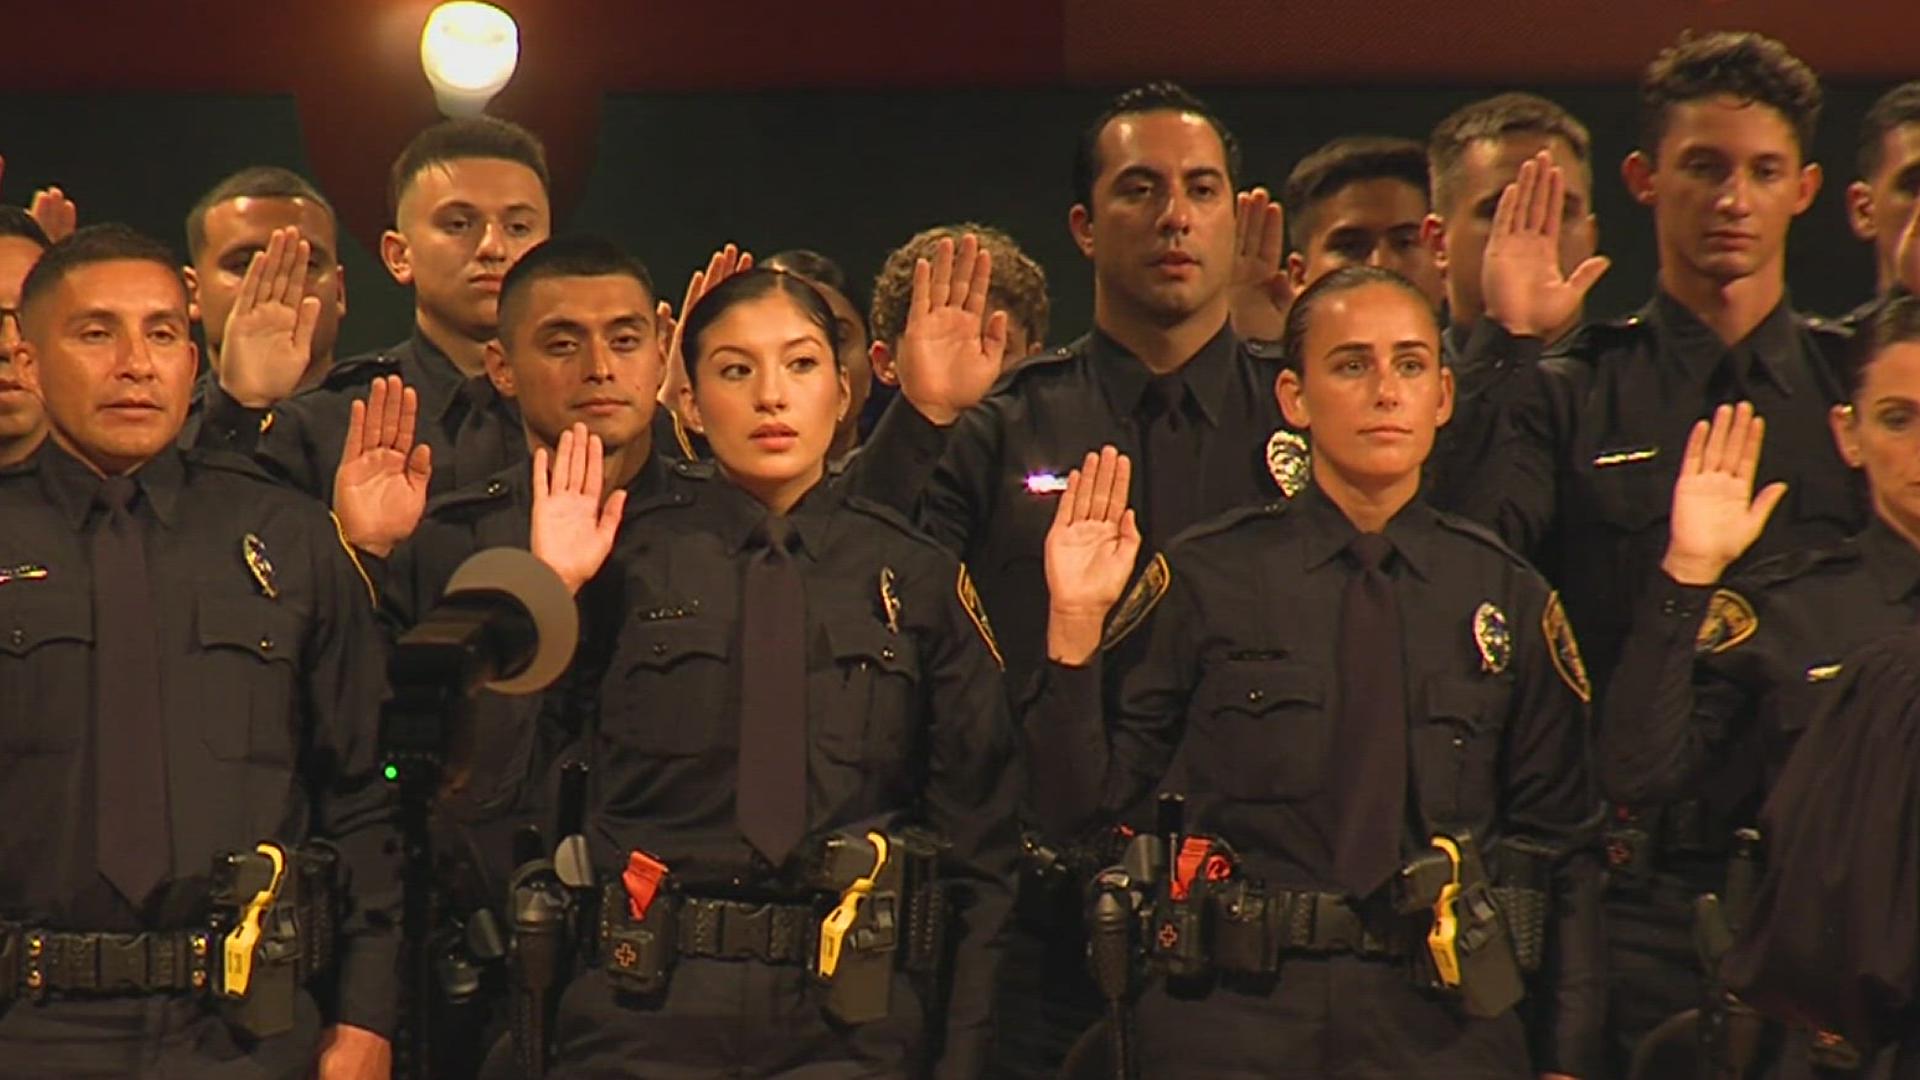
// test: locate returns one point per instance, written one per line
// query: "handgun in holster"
(861, 934)
(1116, 899)
(1469, 955)
(1731, 1033)
(540, 906)
(260, 948)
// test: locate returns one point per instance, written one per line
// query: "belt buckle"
(744, 931)
(122, 962)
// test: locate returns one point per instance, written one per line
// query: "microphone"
(506, 623)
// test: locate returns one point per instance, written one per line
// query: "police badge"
(1493, 638)
(1288, 462)
(889, 599)
(254, 550)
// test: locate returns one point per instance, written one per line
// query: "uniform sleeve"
(294, 445)
(1086, 771)
(344, 673)
(892, 466)
(958, 499)
(1656, 713)
(1834, 937)
(973, 788)
(225, 424)
(1549, 796)
(1512, 488)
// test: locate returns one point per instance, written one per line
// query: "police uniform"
(1592, 445)
(270, 683)
(1233, 705)
(906, 721)
(1714, 688)
(1834, 940)
(473, 430)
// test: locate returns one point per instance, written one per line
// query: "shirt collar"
(1329, 532)
(812, 517)
(422, 363)
(1891, 560)
(1207, 373)
(1770, 347)
(71, 484)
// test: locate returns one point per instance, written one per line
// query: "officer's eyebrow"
(808, 339)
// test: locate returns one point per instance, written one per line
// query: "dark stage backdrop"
(851, 174)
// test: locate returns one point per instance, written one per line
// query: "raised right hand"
(1716, 515)
(573, 530)
(1090, 551)
(269, 335)
(1520, 278)
(723, 264)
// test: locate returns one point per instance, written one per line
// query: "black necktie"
(1173, 459)
(130, 762)
(1372, 744)
(772, 798)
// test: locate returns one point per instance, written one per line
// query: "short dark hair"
(96, 244)
(1348, 160)
(1895, 321)
(820, 270)
(573, 255)
(1896, 108)
(468, 137)
(1159, 96)
(15, 221)
(1019, 284)
(1740, 63)
(254, 182)
(754, 284)
(1495, 118)
(1346, 279)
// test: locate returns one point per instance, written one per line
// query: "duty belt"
(1249, 923)
(785, 933)
(155, 962)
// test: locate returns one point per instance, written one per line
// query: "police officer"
(1342, 677)
(1883, 202)
(191, 674)
(786, 666)
(23, 423)
(1594, 437)
(468, 198)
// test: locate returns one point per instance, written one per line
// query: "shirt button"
(495, 487)
(1256, 696)
(659, 648)
(886, 652)
(18, 637)
(266, 642)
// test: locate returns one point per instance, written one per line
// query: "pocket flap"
(30, 618)
(1259, 686)
(254, 624)
(661, 645)
(853, 641)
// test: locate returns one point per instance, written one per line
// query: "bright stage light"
(468, 50)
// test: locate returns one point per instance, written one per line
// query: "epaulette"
(1595, 339)
(1039, 362)
(1788, 566)
(900, 522)
(694, 470)
(1270, 351)
(359, 371)
(1227, 520)
(1473, 530)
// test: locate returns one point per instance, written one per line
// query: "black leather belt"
(34, 961)
(772, 933)
(1253, 929)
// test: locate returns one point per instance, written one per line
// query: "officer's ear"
(880, 355)
(1433, 237)
(192, 279)
(1811, 177)
(1860, 210)
(499, 372)
(1297, 270)
(1445, 412)
(340, 290)
(1291, 394)
(1845, 423)
(397, 254)
(1637, 171)
(1080, 225)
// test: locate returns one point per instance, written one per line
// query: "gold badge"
(970, 601)
(1609, 459)
(255, 552)
(1823, 672)
(889, 599)
(1564, 650)
(1138, 603)
(1493, 637)
(1729, 621)
(1289, 462)
(23, 572)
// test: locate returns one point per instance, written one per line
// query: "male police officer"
(194, 822)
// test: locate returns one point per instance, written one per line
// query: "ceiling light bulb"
(468, 50)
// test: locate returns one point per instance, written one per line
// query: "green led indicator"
(393, 772)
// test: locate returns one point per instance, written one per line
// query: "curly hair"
(1019, 284)
(1744, 65)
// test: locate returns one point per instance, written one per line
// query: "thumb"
(1587, 273)
(304, 325)
(610, 512)
(1130, 531)
(1764, 504)
(995, 338)
(420, 462)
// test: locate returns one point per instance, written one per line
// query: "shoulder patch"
(693, 470)
(1564, 649)
(970, 602)
(1728, 622)
(1138, 603)
(373, 596)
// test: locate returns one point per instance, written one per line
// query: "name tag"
(1610, 458)
(1045, 483)
(1823, 672)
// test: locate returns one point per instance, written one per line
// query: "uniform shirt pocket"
(1456, 741)
(46, 662)
(875, 684)
(1259, 730)
(674, 691)
(249, 652)
(1626, 494)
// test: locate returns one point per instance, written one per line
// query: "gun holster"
(860, 936)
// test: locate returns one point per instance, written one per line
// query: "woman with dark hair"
(802, 759)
